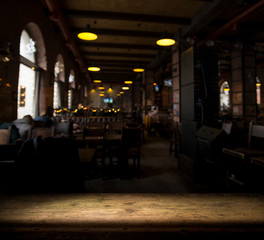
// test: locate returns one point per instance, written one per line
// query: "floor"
(159, 173)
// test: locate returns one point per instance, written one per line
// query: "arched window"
(58, 78)
(258, 91)
(27, 98)
(71, 87)
(224, 97)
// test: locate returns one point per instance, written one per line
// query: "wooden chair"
(131, 147)
(5, 135)
(94, 138)
(97, 124)
(8, 150)
(113, 141)
(41, 131)
(116, 127)
(64, 129)
(237, 160)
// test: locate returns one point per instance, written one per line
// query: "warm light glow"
(138, 70)
(121, 92)
(258, 84)
(101, 88)
(154, 84)
(97, 81)
(101, 94)
(128, 82)
(165, 42)
(87, 36)
(226, 89)
(125, 88)
(94, 69)
(110, 89)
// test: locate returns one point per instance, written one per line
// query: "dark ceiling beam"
(115, 54)
(114, 77)
(127, 16)
(114, 62)
(120, 45)
(204, 16)
(126, 33)
(58, 17)
(241, 17)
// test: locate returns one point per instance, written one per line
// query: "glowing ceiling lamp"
(97, 81)
(94, 69)
(165, 40)
(138, 70)
(87, 34)
(128, 82)
(125, 88)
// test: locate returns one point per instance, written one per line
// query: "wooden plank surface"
(152, 212)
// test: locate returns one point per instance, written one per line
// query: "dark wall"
(15, 16)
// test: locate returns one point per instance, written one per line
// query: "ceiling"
(127, 30)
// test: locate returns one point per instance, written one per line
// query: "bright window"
(58, 79)
(225, 97)
(27, 77)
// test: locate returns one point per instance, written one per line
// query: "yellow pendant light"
(94, 69)
(165, 40)
(97, 81)
(128, 82)
(138, 70)
(87, 34)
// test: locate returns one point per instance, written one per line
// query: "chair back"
(256, 135)
(5, 135)
(116, 127)
(97, 124)
(23, 128)
(42, 132)
(93, 132)
(227, 127)
(63, 128)
(131, 138)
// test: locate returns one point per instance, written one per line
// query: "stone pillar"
(46, 91)
(244, 84)
(149, 93)
(176, 83)
(136, 97)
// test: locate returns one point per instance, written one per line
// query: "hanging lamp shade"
(97, 81)
(165, 40)
(138, 70)
(87, 34)
(93, 68)
(128, 82)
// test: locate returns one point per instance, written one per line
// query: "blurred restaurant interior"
(162, 97)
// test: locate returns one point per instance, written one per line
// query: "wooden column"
(176, 83)
(46, 91)
(149, 93)
(244, 84)
(136, 97)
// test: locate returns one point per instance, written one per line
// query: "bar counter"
(131, 216)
